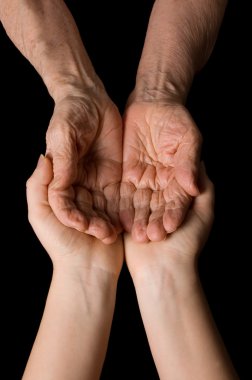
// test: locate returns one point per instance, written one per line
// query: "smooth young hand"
(183, 338)
(66, 246)
(160, 167)
(72, 339)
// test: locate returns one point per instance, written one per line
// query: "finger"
(204, 204)
(177, 202)
(187, 161)
(99, 201)
(98, 224)
(201, 213)
(112, 195)
(65, 208)
(37, 187)
(62, 150)
(155, 230)
(102, 230)
(64, 156)
(127, 211)
(141, 201)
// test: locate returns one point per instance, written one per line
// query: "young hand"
(66, 245)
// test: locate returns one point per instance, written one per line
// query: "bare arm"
(179, 40)
(162, 144)
(72, 339)
(46, 34)
(183, 338)
(184, 341)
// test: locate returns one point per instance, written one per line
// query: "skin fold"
(162, 144)
(72, 339)
(104, 173)
(146, 184)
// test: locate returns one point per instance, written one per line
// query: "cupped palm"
(160, 165)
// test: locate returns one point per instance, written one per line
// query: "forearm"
(183, 338)
(179, 40)
(46, 34)
(72, 339)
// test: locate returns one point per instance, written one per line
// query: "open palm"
(84, 141)
(160, 165)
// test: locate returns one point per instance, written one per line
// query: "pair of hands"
(103, 182)
(73, 249)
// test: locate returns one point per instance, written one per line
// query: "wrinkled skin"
(84, 142)
(161, 153)
(67, 247)
(180, 250)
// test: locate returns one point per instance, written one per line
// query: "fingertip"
(72, 217)
(172, 220)
(110, 239)
(44, 168)
(79, 225)
(102, 230)
(190, 184)
(37, 189)
(156, 231)
(188, 179)
(204, 181)
(39, 167)
(40, 162)
(205, 202)
(43, 161)
(78, 220)
(139, 232)
(193, 189)
(42, 174)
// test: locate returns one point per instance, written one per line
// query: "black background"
(113, 33)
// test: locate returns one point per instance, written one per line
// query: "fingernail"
(40, 161)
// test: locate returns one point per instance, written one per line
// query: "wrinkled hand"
(179, 251)
(84, 142)
(160, 165)
(66, 245)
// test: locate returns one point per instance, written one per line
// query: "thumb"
(187, 167)
(37, 187)
(204, 203)
(187, 176)
(64, 169)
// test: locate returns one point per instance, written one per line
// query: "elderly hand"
(84, 142)
(160, 166)
(178, 252)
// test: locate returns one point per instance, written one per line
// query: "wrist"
(173, 277)
(158, 86)
(74, 86)
(102, 281)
